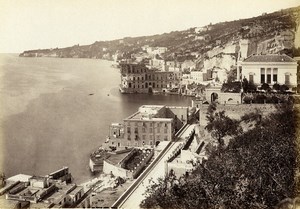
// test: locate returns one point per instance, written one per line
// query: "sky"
(38, 24)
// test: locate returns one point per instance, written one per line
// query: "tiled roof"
(269, 58)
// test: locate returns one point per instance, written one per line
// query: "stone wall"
(109, 168)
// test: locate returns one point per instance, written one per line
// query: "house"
(270, 69)
(157, 62)
(188, 64)
(152, 124)
(198, 76)
(137, 78)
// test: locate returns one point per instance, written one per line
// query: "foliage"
(232, 74)
(280, 88)
(273, 98)
(265, 87)
(248, 86)
(252, 116)
(234, 87)
(256, 170)
(220, 125)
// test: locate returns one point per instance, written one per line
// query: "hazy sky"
(34, 24)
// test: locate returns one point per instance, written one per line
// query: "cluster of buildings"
(174, 76)
(55, 190)
(145, 129)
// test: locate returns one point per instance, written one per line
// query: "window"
(275, 71)
(144, 137)
(150, 130)
(165, 130)
(262, 75)
(287, 79)
(128, 129)
(129, 85)
(128, 137)
(268, 75)
(251, 79)
(144, 130)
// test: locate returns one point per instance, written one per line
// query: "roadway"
(136, 194)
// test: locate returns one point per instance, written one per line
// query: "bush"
(284, 88)
(260, 98)
(265, 87)
(256, 170)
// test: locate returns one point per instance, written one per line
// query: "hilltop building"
(270, 69)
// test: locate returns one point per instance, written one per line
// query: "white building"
(270, 69)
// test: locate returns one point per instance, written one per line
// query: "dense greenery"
(233, 87)
(256, 170)
(220, 125)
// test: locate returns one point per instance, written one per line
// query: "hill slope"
(195, 42)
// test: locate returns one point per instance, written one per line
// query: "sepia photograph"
(150, 104)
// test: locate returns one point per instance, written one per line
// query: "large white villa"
(269, 69)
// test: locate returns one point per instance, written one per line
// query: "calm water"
(48, 118)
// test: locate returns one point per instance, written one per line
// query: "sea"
(55, 111)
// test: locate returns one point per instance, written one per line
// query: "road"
(137, 195)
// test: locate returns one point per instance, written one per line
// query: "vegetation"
(256, 170)
(233, 86)
(248, 86)
(220, 125)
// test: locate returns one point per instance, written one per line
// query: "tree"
(265, 87)
(245, 84)
(232, 74)
(256, 170)
(220, 125)
(284, 88)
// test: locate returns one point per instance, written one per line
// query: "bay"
(54, 112)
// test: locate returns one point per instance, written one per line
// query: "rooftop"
(269, 58)
(20, 177)
(116, 158)
(146, 112)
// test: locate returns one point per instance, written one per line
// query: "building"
(188, 65)
(53, 190)
(147, 127)
(137, 78)
(198, 76)
(270, 69)
(152, 124)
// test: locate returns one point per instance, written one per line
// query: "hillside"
(193, 43)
